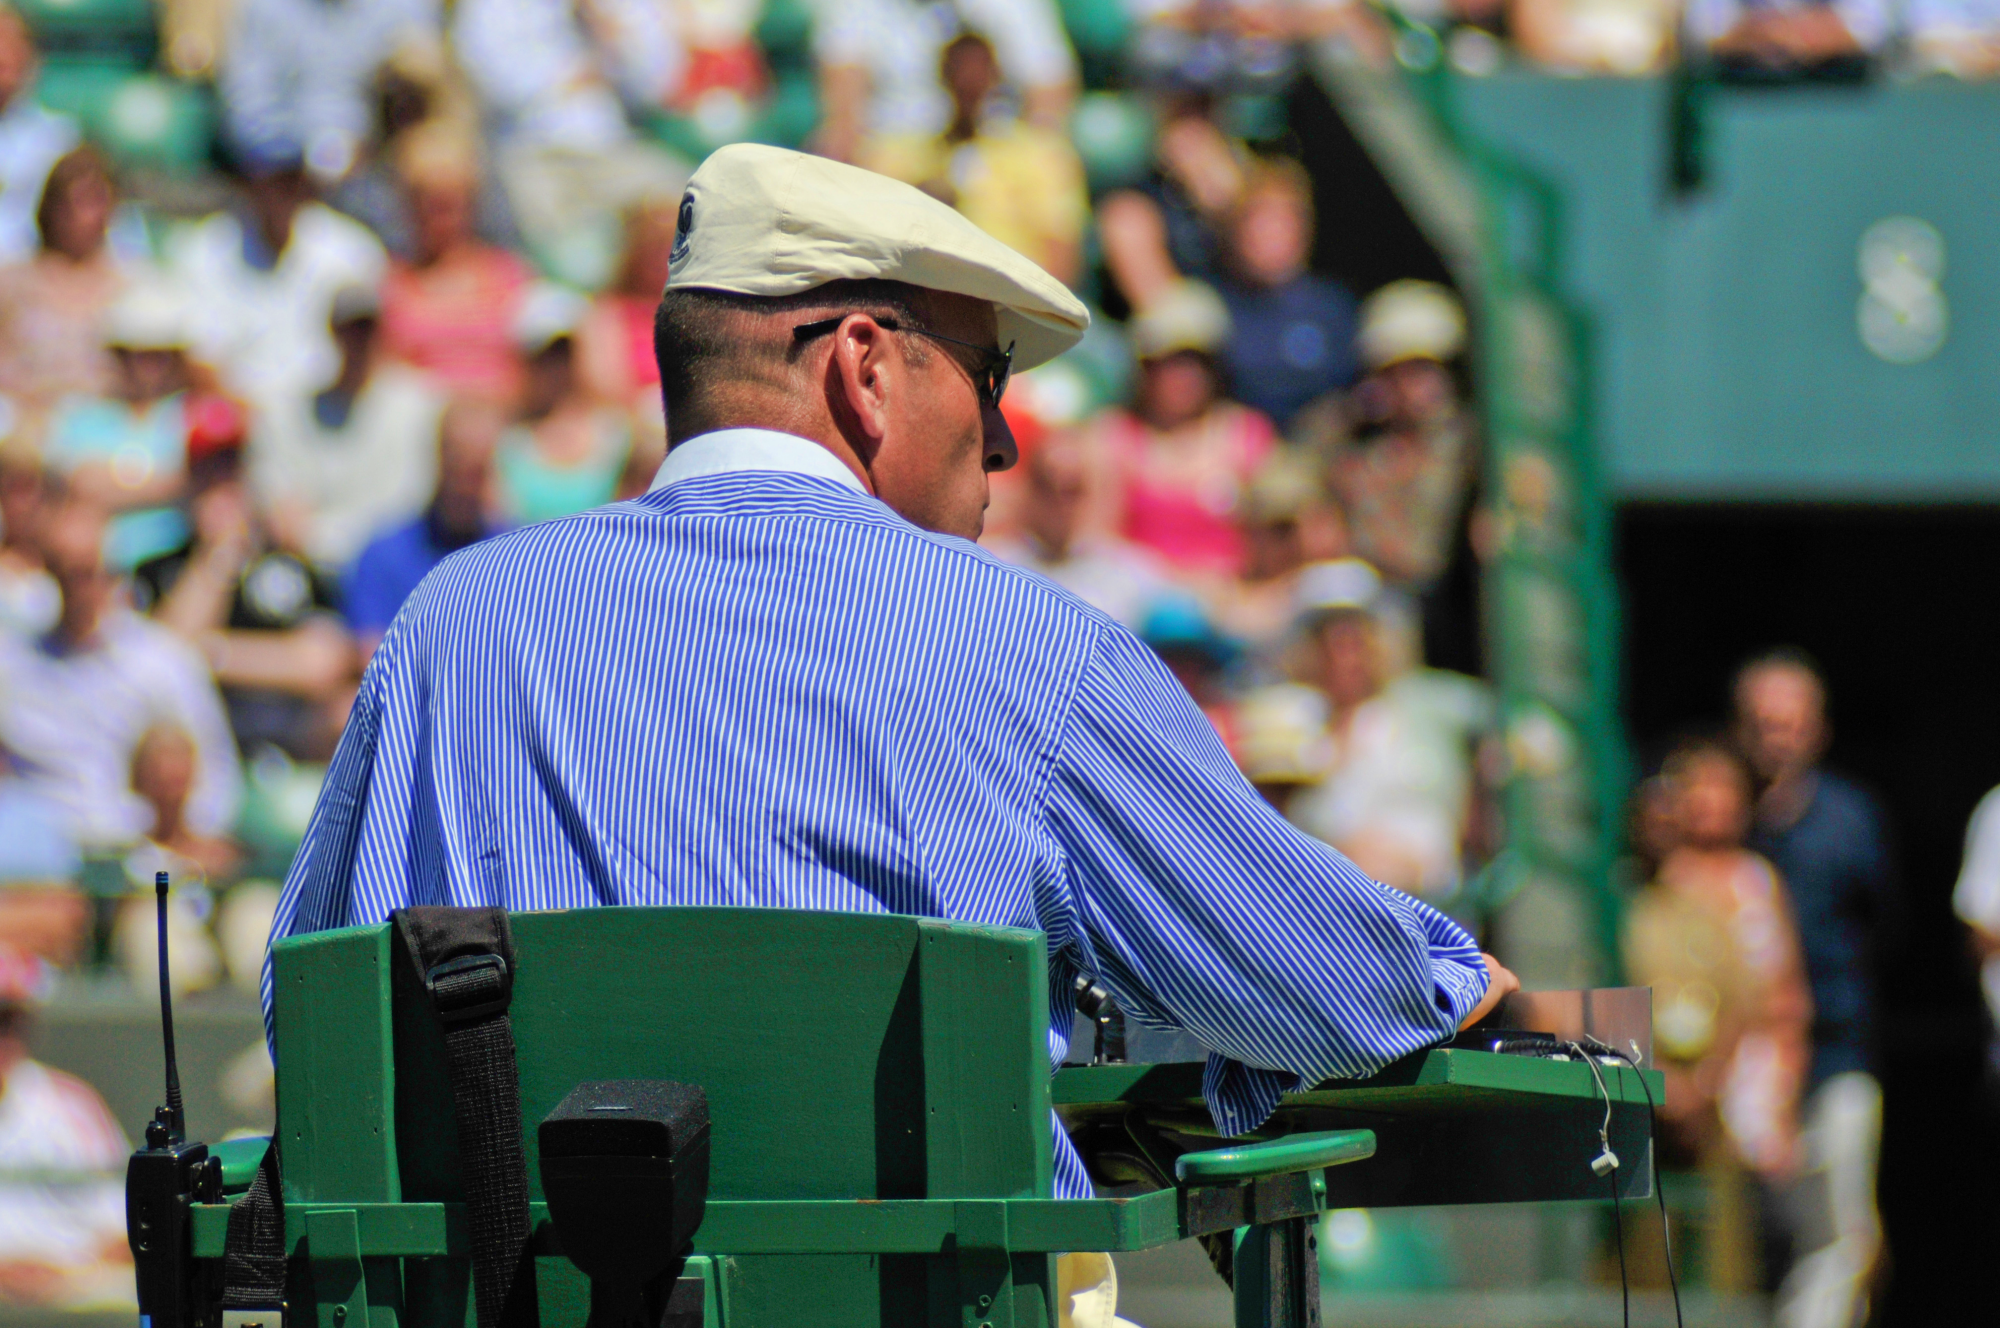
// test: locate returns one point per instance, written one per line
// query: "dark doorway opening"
(1898, 606)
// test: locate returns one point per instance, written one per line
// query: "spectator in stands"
(1714, 936)
(1018, 182)
(1826, 838)
(1764, 38)
(1055, 538)
(1622, 37)
(615, 344)
(32, 138)
(447, 311)
(419, 88)
(29, 600)
(298, 74)
(1976, 900)
(42, 912)
(1180, 458)
(1198, 656)
(1956, 37)
(1244, 45)
(267, 279)
(52, 305)
(568, 451)
(266, 619)
(1399, 452)
(74, 704)
(879, 61)
(164, 766)
(459, 514)
(1293, 331)
(334, 468)
(1391, 747)
(550, 76)
(127, 450)
(62, 1234)
(1175, 226)
(1288, 523)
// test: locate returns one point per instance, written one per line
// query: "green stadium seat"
(1113, 133)
(105, 27)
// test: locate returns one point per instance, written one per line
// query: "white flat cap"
(765, 221)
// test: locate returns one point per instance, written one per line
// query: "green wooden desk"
(880, 1097)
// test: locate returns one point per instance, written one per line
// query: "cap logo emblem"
(682, 229)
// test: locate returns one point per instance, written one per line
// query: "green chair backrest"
(845, 1056)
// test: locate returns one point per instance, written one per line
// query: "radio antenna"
(170, 1121)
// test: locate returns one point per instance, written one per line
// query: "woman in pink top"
(1179, 460)
(52, 306)
(449, 312)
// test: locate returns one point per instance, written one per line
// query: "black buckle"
(469, 986)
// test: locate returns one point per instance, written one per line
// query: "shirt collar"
(726, 451)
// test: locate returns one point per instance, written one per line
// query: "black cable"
(1659, 1191)
(1618, 1226)
(1611, 1174)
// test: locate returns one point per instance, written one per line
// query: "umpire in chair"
(786, 677)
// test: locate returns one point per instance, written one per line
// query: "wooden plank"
(336, 1072)
(986, 1062)
(336, 1087)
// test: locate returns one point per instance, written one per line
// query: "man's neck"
(830, 441)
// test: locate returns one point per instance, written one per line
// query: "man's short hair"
(1783, 657)
(697, 333)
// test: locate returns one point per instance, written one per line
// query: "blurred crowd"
(1764, 899)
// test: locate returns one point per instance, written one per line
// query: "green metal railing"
(1550, 602)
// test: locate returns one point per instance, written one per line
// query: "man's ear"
(860, 374)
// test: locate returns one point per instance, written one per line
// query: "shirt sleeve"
(1202, 909)
(319, 888)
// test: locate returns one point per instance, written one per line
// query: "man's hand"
(1500, 981)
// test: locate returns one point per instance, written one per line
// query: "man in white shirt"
(62, 1203)
(1977, 896)
(32, 139)
(74, 704)
(337, 468)
(554, 80)
(267, 278)
(879, 61)
(299, 73)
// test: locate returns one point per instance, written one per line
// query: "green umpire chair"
(878, 1105)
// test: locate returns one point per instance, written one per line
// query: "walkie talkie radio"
(161, 1181)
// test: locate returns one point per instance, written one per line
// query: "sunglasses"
(990, 375)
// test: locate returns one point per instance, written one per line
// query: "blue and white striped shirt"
(758, 686)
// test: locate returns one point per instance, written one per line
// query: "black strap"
(466, 959)
(253, 1250)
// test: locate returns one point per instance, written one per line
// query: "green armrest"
(1299, 1152)
(240, 1159)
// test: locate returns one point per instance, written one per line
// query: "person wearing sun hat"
(786, 677)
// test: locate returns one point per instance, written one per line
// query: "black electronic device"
(625, 1173)
(161, 1181)
(1512, 1042)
